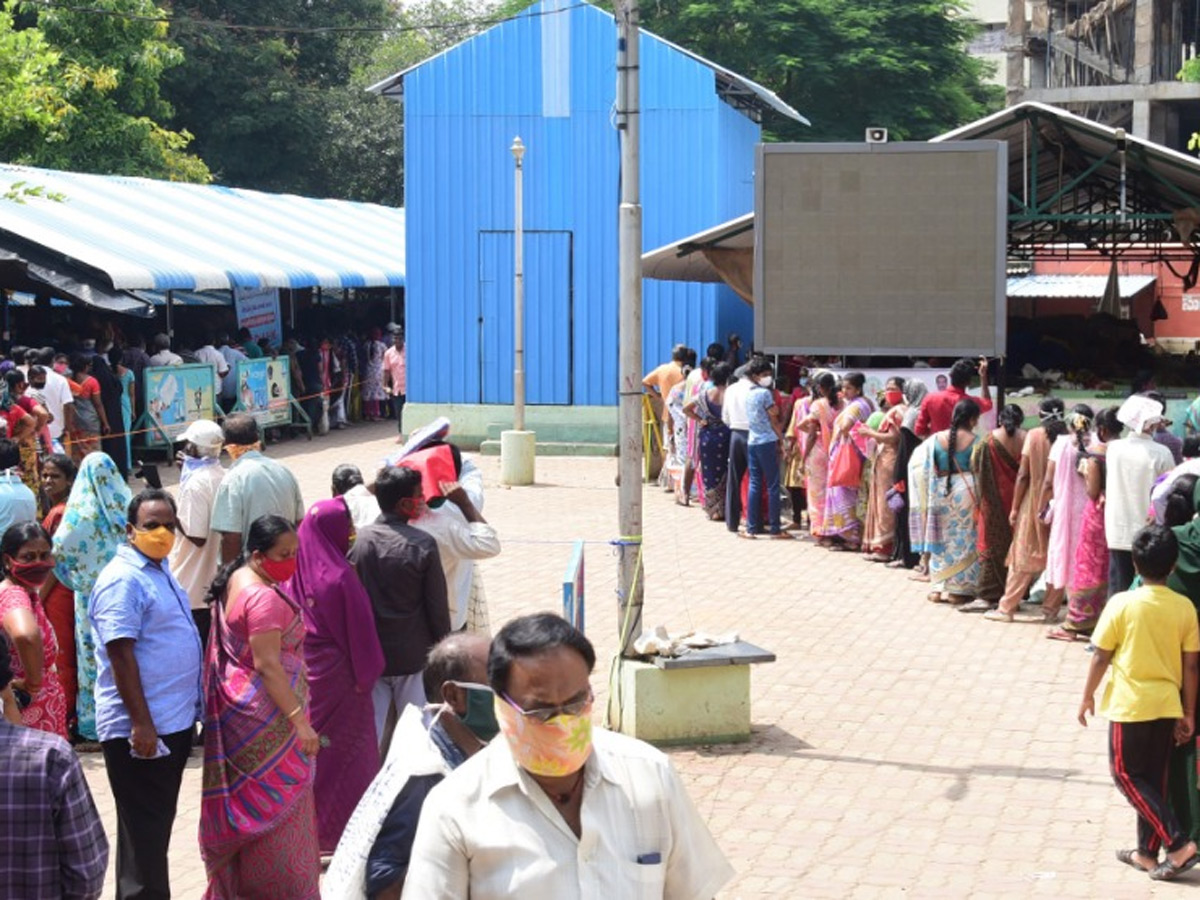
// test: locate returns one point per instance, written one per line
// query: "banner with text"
(258, 310)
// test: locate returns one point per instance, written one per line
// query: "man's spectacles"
(545, 714)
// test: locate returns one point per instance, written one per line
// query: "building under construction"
(1114, 61)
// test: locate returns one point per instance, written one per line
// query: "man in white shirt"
(552, 810)
(195, 556)
(162, 353)
(734, 414)
(53, 392)
(210, 355)
(1132, 465)
(348, 484)
(463, 536)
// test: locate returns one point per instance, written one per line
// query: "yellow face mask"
(156, 543)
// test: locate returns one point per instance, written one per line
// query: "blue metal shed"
(549, 76)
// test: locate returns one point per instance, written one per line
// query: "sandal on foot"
(1062, 634)
(1129, 857)
(978, 605)
(1168, 871)
(997, 615)
(936, 597)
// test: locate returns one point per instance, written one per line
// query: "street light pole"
(518, 447)
(630, 580)
(518, 152)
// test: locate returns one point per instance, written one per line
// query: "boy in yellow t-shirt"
(1150, 637)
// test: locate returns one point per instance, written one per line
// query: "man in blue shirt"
(17, 503)
(147, 691)
(764, 440)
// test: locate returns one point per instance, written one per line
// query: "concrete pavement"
(900, 749)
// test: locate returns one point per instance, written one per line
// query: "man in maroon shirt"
(939, 406)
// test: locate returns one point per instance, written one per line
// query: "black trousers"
(1120, 571)
(398, 401)
(1138, 757)
(739, 462)
(203, 619)
(146, 792)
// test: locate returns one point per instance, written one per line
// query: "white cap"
(203, 433)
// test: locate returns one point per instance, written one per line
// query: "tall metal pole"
(518, 152)
(630, 580)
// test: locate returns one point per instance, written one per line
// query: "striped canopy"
(163, 235)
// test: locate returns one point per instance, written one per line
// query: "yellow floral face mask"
(551, 749)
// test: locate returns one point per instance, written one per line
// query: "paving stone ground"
(900, 749)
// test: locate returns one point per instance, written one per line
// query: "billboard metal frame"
(998, 148)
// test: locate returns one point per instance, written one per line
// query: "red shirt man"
(938, 407)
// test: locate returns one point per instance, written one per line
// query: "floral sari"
(995, 472)
(258, 827)
(951, 536)
(92, 528)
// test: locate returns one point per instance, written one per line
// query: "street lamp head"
(518, 150)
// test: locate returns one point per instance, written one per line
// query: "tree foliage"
(80, 91)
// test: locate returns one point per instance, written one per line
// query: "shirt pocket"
(644, 881)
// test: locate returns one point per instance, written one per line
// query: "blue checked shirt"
(52, 845)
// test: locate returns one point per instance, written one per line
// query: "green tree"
(86, 91)
(845, 64)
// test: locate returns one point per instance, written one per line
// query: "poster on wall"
(176, 396)
(263, 390)
(258, 310)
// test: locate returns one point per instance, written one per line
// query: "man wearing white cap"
(196, 554)
(1132, 465)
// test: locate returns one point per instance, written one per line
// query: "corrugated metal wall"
(551, 79)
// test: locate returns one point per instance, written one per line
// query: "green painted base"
(708, 705)
(568, 426)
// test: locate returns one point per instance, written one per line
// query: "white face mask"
(766, 381)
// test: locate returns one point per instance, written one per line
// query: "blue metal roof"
(735, 89)
(162, 235)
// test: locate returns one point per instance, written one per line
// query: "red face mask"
(30, 574)
(893, 398)
(278, 570)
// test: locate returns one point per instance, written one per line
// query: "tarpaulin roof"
(143, 234)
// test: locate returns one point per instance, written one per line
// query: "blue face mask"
(480, 716)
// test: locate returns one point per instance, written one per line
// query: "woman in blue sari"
(92, 528)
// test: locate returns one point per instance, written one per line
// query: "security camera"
(877, 136)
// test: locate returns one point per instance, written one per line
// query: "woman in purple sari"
(344, 659)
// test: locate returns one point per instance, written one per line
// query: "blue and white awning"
(163, 235)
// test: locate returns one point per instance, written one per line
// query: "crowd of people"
(86, 394)
(1085, 522)
(335, 662)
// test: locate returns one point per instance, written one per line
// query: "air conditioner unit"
(877, 136)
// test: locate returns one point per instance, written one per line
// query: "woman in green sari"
(1181, 779)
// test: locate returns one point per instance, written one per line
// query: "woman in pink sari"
(1065, 486)
(344, 659)
(258, 825)
(818, 425)
(843, 524)
(1089, 578)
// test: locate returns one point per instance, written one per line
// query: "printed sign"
(1191, 302)
(176, 396)
(263, 390)
(258, 310)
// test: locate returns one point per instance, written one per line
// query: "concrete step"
(565, 432)
(557, 448)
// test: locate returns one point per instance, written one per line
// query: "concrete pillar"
(1040, 26)
(1144, 41)
(518, 453)
(1141, 119)
(1016, 41)
(1152, 121)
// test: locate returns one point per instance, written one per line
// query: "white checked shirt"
(488, 832)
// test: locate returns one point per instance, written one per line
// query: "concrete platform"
(556, 448)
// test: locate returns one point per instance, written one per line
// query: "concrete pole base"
(518, 452)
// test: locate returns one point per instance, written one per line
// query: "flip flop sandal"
(975, 606)
(1129, 857)
(995, 615)
(936, 597)
(781, 536)
(1061, 634)
(958, 600)
(746, 535)
(1168, 871)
